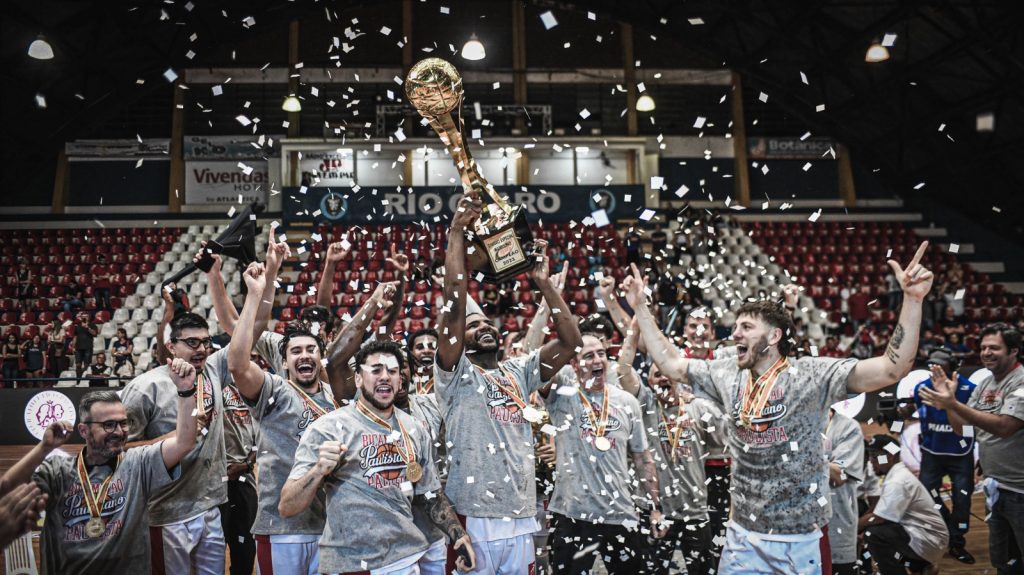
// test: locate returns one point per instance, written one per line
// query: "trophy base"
(506, 252)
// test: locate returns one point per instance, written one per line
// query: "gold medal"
(602, 443)
(94, 527)
(532, 414)
(413, 471)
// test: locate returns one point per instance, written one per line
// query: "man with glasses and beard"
(185, 533)
(377, 465)
(96, 510)
(780, 407)
(491, 479)
(284, 406)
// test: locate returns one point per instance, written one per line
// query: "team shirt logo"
(74, 511)
(381, 461)
(763, 430)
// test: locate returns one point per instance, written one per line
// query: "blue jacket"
(937, 435)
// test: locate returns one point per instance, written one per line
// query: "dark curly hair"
(774, 315)
(381, 346)
(296, 331)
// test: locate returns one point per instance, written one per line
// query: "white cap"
(850, 406)
(905, 390)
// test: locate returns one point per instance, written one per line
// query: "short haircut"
(421, 332)
(318, 313)
(87, 401)
(774, 315)
(878, 443)
(1010, 335)
(187, 320)
(298, 331)
(598, 326)
(380, 346)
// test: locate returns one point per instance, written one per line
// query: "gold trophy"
(502, 237)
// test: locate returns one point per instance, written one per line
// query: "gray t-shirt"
(681, 479)
(424, 408)
(490, 444)
(905, 501)
(1001, 456)
(845, 447)
(369, 516)
(593, 485)
(283, 417)
(268, 346)
(239, 431)
(124, 546)
(779, 475)
(151, 400)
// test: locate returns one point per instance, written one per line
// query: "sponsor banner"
(229, 147)
(36, 410)
(223, 182)
(328, 168)
(48, 407)
(790, 148)
(435, 205)
(118, 148)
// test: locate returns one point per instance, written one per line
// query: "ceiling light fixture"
(291, 104)
(645, 103)
(40, 49)
(473, 49)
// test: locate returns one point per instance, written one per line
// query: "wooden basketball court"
(977, 539)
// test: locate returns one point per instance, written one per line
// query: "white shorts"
(195, 545)
(433, 561)
(287, 555)
(513, 556)
(749, 553)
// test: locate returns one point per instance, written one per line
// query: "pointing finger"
(920, 252)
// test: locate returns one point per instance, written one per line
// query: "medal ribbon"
(516, 394)
(93, 501)
(200, 394)
(674, 433)
(407, 454)
(424, 388)
(599, 420)
(755, 394)
(318, 411)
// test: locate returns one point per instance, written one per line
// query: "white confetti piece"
(954, 248)
(657, 182)
(763, 97)
(647, 215)
(549, 20)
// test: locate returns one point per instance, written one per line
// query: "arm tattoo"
(440, 511)
(892, 351)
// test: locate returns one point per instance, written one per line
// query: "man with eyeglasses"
(96, 503)
(186, 533)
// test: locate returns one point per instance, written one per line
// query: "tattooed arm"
(440, 511)
(898, 359)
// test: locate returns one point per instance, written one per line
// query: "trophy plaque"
(502, 238)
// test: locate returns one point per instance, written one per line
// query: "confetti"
(549, 20)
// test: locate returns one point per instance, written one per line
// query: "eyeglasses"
(194, 342)
(110, 426)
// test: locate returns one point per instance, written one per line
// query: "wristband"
(187, 392)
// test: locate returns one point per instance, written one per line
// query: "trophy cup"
(502, 238)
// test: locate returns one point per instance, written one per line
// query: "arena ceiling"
(913, 118)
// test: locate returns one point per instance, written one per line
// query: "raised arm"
(56, 434)
(339, 375)
(451, 320)
(621, 318)
(227, 317)
(627, 353)
(174, 448)
(162, 353)
(297, 494)
(247, 375)
(943, 396)
(556, 353)
(878, 372)
(665, 354)
(336, 252)
(387, 323)
(538, 325)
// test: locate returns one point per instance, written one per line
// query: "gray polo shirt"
(124, 546)
(592, 485)
(845, 447)
(151, 400)
(1001, 456)
(490, 444)
(779, 473)
(283, 417)
(369, 515)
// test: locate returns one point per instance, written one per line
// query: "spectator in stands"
(832, 348)
(659, 240)
(73, 296)
(12, 356)
(101, 283)
(57, 362)
(864, 344)
(26, 291)
(121, 350)
(633, 238)
(34, 353)
(956, 346)
(858, 302)
(996, 412)
(85, 334)
(99, 371)
(929, 343)
(952, 301)
(950, 323)
(904, 529)
(893, 295)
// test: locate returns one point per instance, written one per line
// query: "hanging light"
(291, 104)
(645, 103)
(40, 49)
(876, 53)
(473, 49)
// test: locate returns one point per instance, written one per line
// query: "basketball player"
(780, 407)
